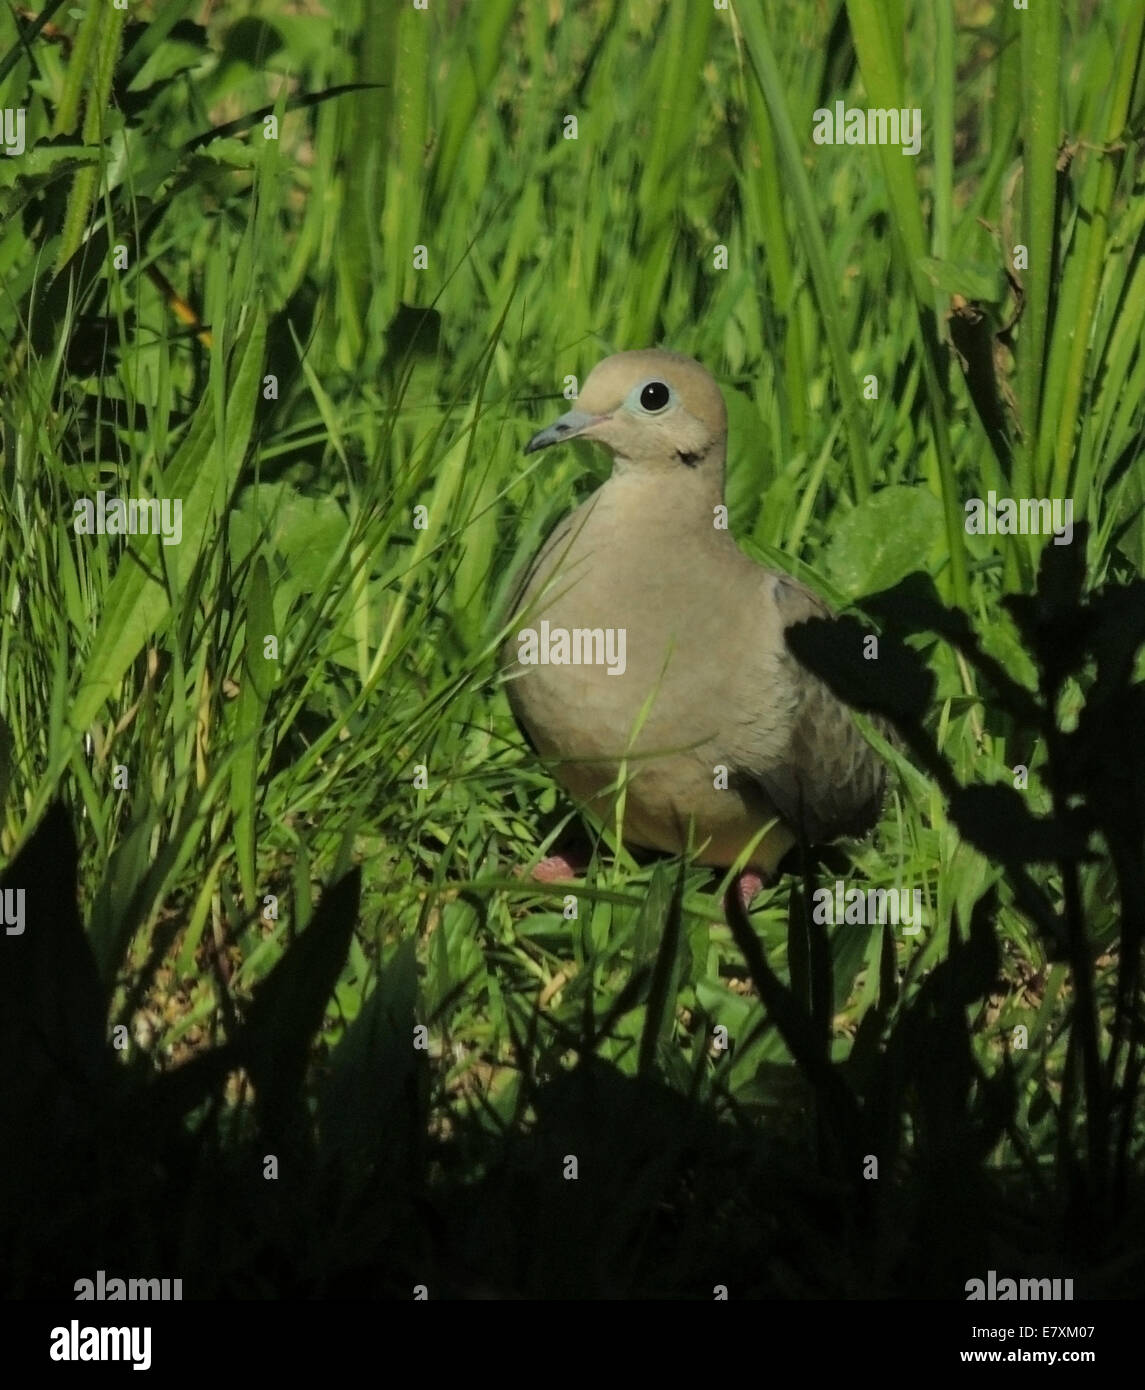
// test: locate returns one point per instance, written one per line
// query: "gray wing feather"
(826, 781)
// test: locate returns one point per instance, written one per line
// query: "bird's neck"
(688, 504)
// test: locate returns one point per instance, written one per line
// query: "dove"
(647, 663)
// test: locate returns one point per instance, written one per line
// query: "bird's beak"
(567, 427)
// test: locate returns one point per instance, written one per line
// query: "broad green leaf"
(883, 539)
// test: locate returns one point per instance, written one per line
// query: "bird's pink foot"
(748, 884)
(559, 868)
(744, 888)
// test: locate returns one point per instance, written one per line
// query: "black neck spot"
(687, 459)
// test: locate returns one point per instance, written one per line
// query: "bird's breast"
(624, 644)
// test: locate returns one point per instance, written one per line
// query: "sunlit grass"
(396, 288)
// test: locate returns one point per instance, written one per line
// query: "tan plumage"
(708, 681)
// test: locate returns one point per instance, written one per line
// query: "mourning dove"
(648, 651)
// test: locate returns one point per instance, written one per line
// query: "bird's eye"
(655, 396)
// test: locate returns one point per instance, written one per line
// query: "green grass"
(344, 431)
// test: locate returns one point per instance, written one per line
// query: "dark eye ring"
(655, 396)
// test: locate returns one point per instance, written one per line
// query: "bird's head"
(651, 410)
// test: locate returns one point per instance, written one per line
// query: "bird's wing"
(824, 779)
(558, 536)
(558, 539)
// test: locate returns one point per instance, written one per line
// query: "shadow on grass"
(344, 1177)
